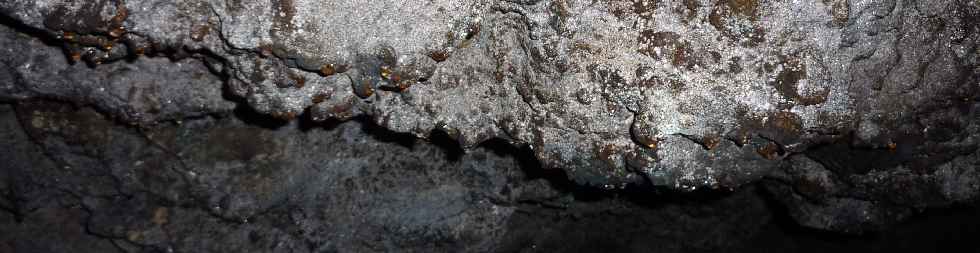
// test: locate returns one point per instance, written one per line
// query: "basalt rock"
(835, 104)
(751, 81)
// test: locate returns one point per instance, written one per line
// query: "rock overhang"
(685, 94)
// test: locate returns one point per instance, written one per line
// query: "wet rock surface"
(358, 126)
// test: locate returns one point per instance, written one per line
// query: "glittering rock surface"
(853, 114)
(613, 92)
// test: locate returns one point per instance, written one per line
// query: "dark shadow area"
(246, 114)
(449, 145)
(383, 134)
(9, 199)
(441, 139)
(613, 220)
(44, 36)
(641, 195)
(935, 229)
(377, 132)
(731, 223)
(529, 164)
(306, 123)
(784, 223)
(844, 158)
(645, 195)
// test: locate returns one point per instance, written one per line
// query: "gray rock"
(864, 97)
(571, 78)
(344, 187)
(140, 91)
(174, 187)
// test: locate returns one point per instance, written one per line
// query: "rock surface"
(154, 188)
(614, 92)
(852, 114)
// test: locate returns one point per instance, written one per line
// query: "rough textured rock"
(340, 188)
(853, 114)
(75, 180)
(140, 91)
(612, 91)
(291, 190)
